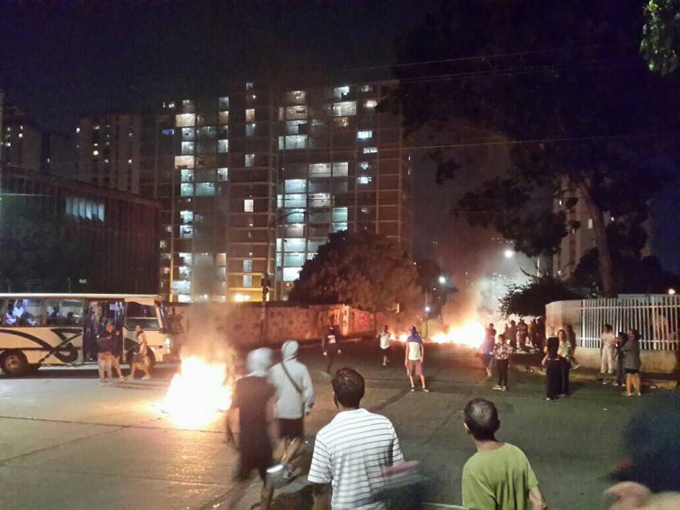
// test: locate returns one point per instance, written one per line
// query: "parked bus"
(62, 329)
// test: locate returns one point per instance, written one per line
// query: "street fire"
(197, 393)
(470, 334)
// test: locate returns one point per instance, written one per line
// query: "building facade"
(252, 182)
(107, 151)
(62, 235)
(21, 139)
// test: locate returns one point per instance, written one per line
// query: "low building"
(62, 235)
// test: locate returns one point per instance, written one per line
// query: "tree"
(661, 35)
(580, 113)
(361, 269)
(531, 298)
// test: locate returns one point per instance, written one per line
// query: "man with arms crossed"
(351, 452)
(498, 476)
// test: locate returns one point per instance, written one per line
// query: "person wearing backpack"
(294, 399)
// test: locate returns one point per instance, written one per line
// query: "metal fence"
(656, 317)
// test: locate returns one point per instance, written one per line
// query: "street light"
(509, 253)
(442, 280)
(427, 309)
(671, 292)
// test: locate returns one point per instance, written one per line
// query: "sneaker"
(497, 387)
(413, 388)
(122, 379)
(638, 394)
(426, 390)
(548, 399)
(626, 394)
(505, 388)
(605, 382)
(146, 378)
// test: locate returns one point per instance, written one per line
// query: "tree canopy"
(531, 298)
(580, 114)
(360, 269)
(661, 35)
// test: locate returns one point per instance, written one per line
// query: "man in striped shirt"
(351, 452)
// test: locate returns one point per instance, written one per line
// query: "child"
(501, 354)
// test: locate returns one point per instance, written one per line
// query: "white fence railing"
(656, 317)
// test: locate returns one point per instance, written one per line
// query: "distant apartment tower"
(251, 183)
(344, 166)
(107, 148)
(21, 139)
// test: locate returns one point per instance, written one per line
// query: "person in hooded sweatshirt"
(254, 397)
(295, 399)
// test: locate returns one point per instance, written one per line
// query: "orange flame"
(198, 393)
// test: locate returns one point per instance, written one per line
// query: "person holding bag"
(294, 399)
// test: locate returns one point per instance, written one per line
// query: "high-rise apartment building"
(21, 139)
(252, 182)
(107, 148)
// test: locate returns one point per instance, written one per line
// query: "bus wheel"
(14, 363)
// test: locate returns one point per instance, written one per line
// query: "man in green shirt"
(498, 476)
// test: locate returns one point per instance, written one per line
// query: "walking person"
(512, 339)
(621, 340)
(553, 369)
(105, 356)
(499, 476)
(608, 353)
(117, 352)
(632, 363)
(414, 357)
(564, 352)
(294, 400)
(330, 344)
(140, 358)
(351, 452)
(254, 398)
(501, 354)
(522, 333)
(384, 339)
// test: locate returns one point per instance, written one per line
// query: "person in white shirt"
(352, 451)
(384, 338)
(414, 356)
(608, 362)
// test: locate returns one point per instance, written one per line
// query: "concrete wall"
(561, 313)
(241, 323)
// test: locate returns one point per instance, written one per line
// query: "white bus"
(62, 329)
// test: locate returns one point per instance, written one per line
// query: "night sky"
(64, 58)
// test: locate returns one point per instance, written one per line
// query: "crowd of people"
(355, 451)
(112, 349)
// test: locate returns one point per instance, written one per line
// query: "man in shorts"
(254, 399)
(414, 355)
(295, 399)
(384, 338)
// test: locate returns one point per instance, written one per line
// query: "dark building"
(62, 235)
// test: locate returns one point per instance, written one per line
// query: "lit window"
(94, 153)
(370, 150)
(250, 129)
(184, 161)
(187, 148)
(296, 112)
(186, 190)
(247, 280)
(339, 214)
(205, 189)
(250, 114)
(364, 165)
(338, 227)
(293, 127)
(223, 103)
(364, 135)
(185, 120)
(250, 85)
(345, 108)
(291, 273)
(295, 185)
(168, 132)
(340, 92)
(320, 170)
(247, 265)
(222, 174)
(341, 122)
(340, 169)
(186, 217)
(222, 146)
(249, 160)
(77, 130)
(248, 205)
(223, 117)
(367, 88)
(590, 224)
(364, 179)
(293, 142)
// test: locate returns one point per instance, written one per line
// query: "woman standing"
(621, 340)
(414, 356)
(501, 353)
(565, 353)
(631, 363)
(553, 369)
(140, 359)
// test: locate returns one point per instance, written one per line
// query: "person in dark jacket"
(330, 345)
(621, 340)
(553, 369)
(632, 363)
(105, 347)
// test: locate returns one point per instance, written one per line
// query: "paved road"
(66, 442)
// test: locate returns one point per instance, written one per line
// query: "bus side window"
(28, 312)
(64, 312)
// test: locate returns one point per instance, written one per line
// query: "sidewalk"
(531, 362)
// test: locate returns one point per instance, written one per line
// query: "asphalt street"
(68, 443)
